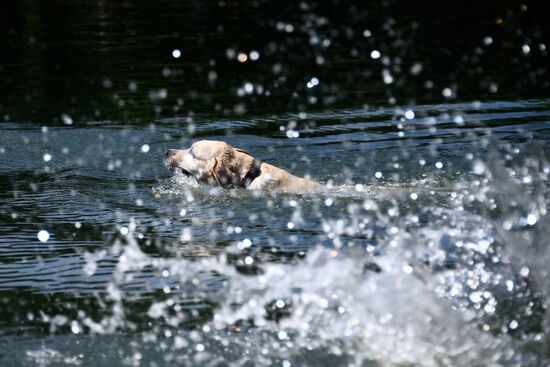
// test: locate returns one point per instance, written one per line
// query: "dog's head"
(214, 162)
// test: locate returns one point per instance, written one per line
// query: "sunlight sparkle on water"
(248, 88)
(409, 114)
(67, 120)
(145, 148)
(375, 54)
(242, 57)
(47, 157)
(313, 82)
(531, 219)
(176, 54)
(292, 134)
(75, 327)
(43, 235)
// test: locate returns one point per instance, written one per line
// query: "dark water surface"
(430, 249)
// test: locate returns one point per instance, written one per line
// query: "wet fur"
(218, 163)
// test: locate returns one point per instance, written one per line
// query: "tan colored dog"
(218, 163)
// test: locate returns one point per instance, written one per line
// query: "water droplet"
(513, 325)
(282, 335)
(378, 174)
(447, 92)
(145, 148)
(524, 271)
(375, 54)
(414, 196)
(67, 120)
(525, 49)
(507, 225)
(312, 82)
(409, 114)
(509, 285)
(176, 54)
(43, 235)
(248, 88)
(254, 55)
(247, 242)
(416, 68)
(292, 134)
(75, 327)
(478, 168)
(124, 231)
(476, 297)
(242, 57)
(47, 157)
(199, 347)
(387, 77)
(489, 308)
(438, 165)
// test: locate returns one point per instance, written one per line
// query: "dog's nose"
(169, 153)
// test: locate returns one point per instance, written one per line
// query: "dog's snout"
(169, 153)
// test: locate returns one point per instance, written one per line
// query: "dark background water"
(98, 60)
(435, 252)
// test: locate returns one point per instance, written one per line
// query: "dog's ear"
(233, 168)
(216, 171)
(242, 164)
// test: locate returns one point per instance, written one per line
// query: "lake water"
(429, 249)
